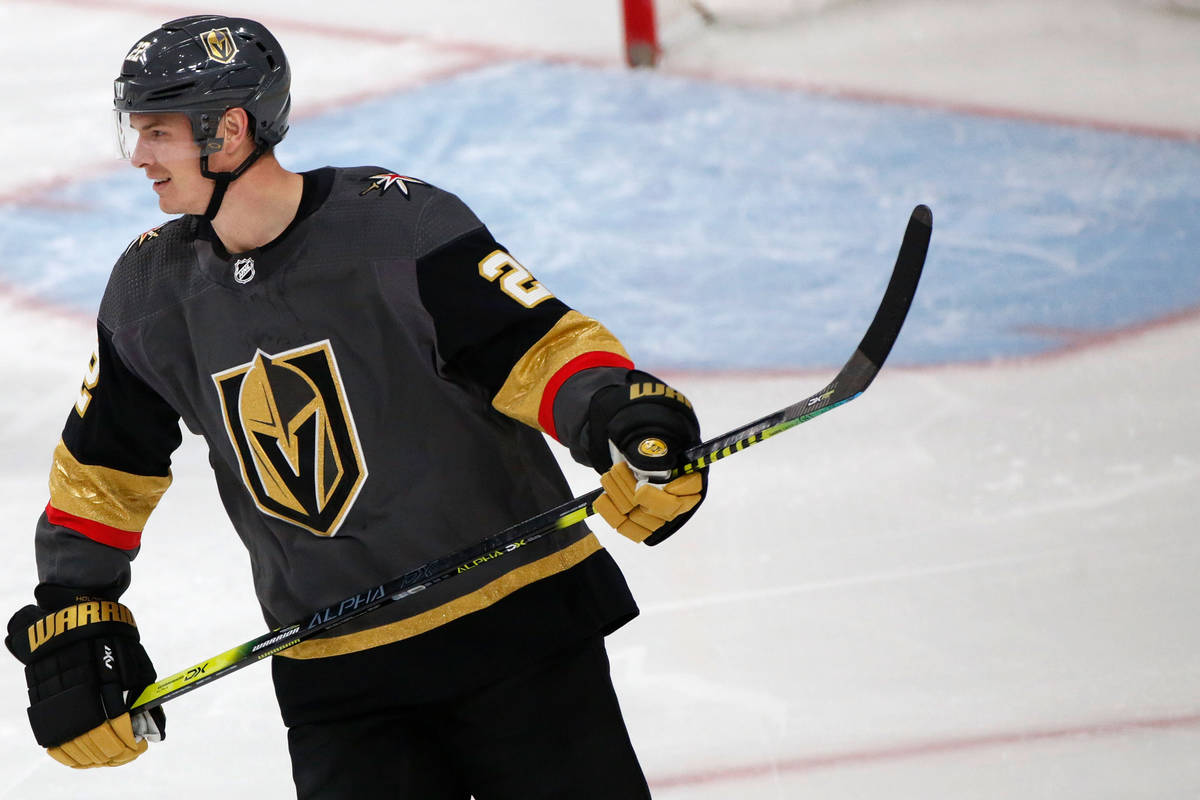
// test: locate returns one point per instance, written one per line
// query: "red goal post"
(641, 33)
(655, 27)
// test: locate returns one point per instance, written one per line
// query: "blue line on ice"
(715, 226)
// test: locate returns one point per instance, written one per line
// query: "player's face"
(170, 157)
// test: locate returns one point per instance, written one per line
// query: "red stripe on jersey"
(576, 365)
(96, 531)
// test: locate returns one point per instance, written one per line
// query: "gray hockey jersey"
(372, 386)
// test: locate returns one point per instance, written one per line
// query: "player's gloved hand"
(638, 433)
(81, 659)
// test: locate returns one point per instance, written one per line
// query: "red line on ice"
(923, 749)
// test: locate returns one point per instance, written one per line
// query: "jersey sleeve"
(495, 323)
(109, 470)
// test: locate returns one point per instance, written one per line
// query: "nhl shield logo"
(243, 270)
(288, 420)
(219, 44)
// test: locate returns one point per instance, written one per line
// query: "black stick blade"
(877, 343)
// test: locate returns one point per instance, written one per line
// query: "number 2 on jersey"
(517, 283)
(89, 382)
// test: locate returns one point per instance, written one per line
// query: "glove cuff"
(648, 421)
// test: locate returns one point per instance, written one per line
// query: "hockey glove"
(638, 433)
(80, 660)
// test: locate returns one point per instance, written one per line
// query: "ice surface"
(626, 192)
(976, 581)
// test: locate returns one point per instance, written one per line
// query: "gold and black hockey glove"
(637, 434)
(84, 664)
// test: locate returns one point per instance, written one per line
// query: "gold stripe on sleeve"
(111, 497)
(573, 335)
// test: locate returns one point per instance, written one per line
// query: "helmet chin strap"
(223, 179)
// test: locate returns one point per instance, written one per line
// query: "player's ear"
(235, 129)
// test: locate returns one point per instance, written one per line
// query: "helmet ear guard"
(206, 127)
(205, 130)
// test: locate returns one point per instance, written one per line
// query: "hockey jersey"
(372, 386)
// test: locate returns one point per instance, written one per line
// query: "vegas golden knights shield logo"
(289, 422)
(219, 44)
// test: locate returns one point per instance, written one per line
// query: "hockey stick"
(851, 381)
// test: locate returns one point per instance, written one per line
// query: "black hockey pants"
(551, 730)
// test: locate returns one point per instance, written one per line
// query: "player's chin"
(171, 205)
(168, 200)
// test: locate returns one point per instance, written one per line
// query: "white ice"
(973, 582)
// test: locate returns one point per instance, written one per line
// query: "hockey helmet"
(202, 66)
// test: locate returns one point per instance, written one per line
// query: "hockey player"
(373, 374)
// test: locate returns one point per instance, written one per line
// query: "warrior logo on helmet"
(219, 44)
(288, 420)
(138, 53)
